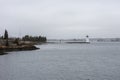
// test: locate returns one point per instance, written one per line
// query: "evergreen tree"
(6, 35)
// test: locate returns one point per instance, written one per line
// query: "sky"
(61, 19)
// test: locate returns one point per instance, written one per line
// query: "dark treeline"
(34, 38)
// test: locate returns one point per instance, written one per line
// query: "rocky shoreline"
(4, 49)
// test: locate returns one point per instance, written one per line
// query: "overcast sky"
(61, 19)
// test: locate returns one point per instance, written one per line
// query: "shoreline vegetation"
(19, 44)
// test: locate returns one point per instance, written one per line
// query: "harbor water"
(95, 61)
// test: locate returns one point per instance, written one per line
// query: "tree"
(34, 38)
(6, 38)
(17, 41)
(6, 35)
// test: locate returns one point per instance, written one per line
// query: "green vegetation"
(34, 38)
(18, 44)
(6, 34)
(16, 41)
(6, 38)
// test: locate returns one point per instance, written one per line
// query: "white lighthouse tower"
(87, 39)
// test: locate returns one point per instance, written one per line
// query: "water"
(95, 61)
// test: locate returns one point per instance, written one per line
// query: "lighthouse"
(87, 39)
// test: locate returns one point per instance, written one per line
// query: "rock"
(4, 49)
(3, 53)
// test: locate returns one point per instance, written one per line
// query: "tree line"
(34, 38)
(6, 38)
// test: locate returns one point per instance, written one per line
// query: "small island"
(19, 44)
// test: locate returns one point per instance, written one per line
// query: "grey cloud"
(61, 18)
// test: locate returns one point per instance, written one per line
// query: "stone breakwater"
(4, 49)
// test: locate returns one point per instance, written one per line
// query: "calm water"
(95, 61)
